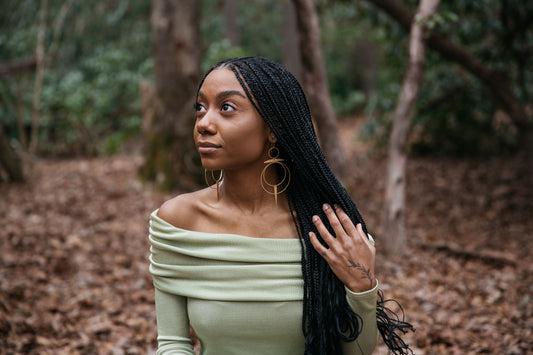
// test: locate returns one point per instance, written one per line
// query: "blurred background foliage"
(90, 101)
(90, 98)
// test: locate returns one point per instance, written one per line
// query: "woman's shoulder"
(182, 210)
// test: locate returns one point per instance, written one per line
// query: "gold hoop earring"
(216, 180)
(273, 154)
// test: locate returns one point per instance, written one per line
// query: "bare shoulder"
(182, 211)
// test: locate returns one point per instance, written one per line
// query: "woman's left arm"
(351, 256)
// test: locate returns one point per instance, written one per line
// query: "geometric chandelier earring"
(215, 180)
(277, 188)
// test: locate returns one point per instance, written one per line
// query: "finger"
(324, 233)
(320, 249)
(333, 221)
(364, 236)
(346, 221)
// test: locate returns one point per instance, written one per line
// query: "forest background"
(73, 103)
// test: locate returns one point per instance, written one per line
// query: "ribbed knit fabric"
(242, 295)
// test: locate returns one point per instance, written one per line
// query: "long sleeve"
(172, 324)
(364, 304)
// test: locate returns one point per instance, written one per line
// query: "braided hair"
(281, 102)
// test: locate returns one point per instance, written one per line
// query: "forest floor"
(74, 255)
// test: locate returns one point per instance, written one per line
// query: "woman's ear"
(271, 137)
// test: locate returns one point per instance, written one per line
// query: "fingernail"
(326, 207)
(315, 218)
(336, 207)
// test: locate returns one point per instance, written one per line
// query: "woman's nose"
(206, 124)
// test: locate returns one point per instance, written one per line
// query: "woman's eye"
(227, 107)
(199, 107)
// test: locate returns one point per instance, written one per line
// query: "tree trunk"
(231, 26)
(19, 104)
(170, 156)
(315, 83)
(394, 211)
(9, 159)
(291, 51)
(39, 74)
(40, 63)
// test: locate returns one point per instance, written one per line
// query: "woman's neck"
(242, 189)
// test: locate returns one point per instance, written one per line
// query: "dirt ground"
(74, 255)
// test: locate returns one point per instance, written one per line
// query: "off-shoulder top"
(242, 295)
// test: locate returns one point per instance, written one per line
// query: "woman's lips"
(206, 147)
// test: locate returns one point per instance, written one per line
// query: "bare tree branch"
(394, 210)
(457, 54)
(20, 65)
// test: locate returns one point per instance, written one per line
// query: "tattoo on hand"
(364, 270)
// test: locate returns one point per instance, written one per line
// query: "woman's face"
(228, 133)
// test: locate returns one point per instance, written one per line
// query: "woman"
(274, 258)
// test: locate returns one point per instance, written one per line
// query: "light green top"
(242, 295)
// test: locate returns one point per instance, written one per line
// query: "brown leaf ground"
(74, 255)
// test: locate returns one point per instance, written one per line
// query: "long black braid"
(281, 102)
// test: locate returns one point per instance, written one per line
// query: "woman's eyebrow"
(224, 94)
(230, 93)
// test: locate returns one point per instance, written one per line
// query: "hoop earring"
(217, 180)
(273, 154)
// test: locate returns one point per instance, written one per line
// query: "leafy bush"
(99, 98)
